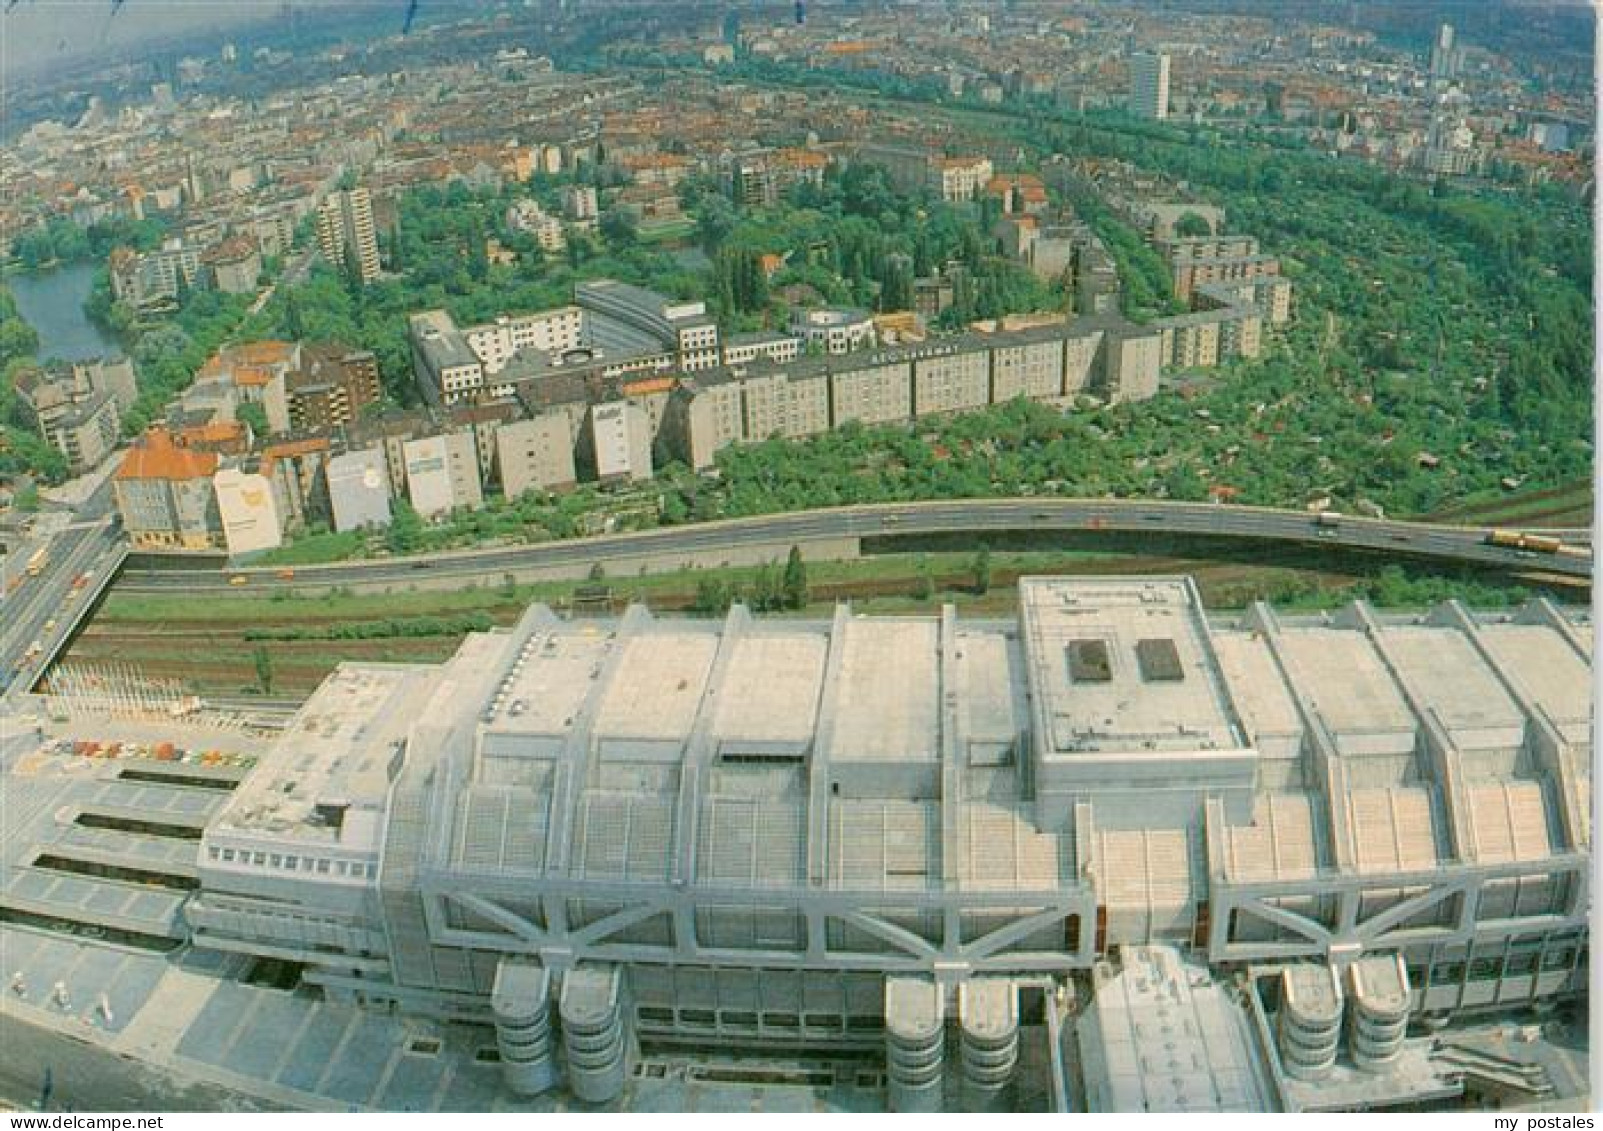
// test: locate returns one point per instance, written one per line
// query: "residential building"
(878, 392)
(248, 512)
(1134, 358)
(164, 495)
(949, 379)
(1149, 86)
(548, 331)
(330, 386)
(834, 329)
(579, 204)
(251, 373)
(528, 217)
(78, 409)
(387, 432)
(298, 472)
(86, 432)
(442, 474)
(535, 455)
(1446, 57)
(153, 279)
(739, 348)
(359, 490)
(615, 444)
(480, 422)
(345, 232)
(447, 369)
(235, 265)
(960, 178)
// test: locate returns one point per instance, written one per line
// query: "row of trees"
(24, 451)
(771, 589)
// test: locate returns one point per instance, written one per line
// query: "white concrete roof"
(1547, 668)
(1447, 673)
(1256, 684)
(1127, 710)
(770, 689)
(890, 675)
(1340, 672)
(657, 688)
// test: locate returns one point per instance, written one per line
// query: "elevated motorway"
(45, 611)
(715, 543)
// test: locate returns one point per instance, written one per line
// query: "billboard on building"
(249, 514)
(428, 476)
(359, 490)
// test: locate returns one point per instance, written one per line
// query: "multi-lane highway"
(705, 541)
(44, 610)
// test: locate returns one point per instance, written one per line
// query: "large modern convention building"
(1169, 859)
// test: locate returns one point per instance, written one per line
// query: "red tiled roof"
(261, 353)
(157, 457)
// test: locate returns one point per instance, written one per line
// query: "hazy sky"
(35, 33)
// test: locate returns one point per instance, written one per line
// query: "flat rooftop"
(770, 690)
(656, 689)
(1548, 670)
(1449, 676)
(342, 747)
(990, 668)
(889, 676)
(551, 676)
(1260, 692)
(1340, 673)
(1122, 666)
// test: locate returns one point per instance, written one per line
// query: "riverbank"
(53, 301)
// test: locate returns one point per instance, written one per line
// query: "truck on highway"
(38, 560)
(1518, 540)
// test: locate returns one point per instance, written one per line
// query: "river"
(52, 303)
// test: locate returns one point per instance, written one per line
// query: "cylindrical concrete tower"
(915, 1044)
(521, 1001)
(593, 1032)
(989, 1011)
(1310, 1020)
(1378, 987)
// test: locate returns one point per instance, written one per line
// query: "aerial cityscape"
(796, 555)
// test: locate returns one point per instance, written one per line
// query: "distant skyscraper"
(345, 221)
(1149, 86)
(1444, 54)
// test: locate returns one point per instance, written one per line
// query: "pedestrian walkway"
(193, 1018)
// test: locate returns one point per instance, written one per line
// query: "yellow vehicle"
(1531, 543)
(238, 579)
(37, 563)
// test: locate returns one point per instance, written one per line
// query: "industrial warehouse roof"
(916, 755)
